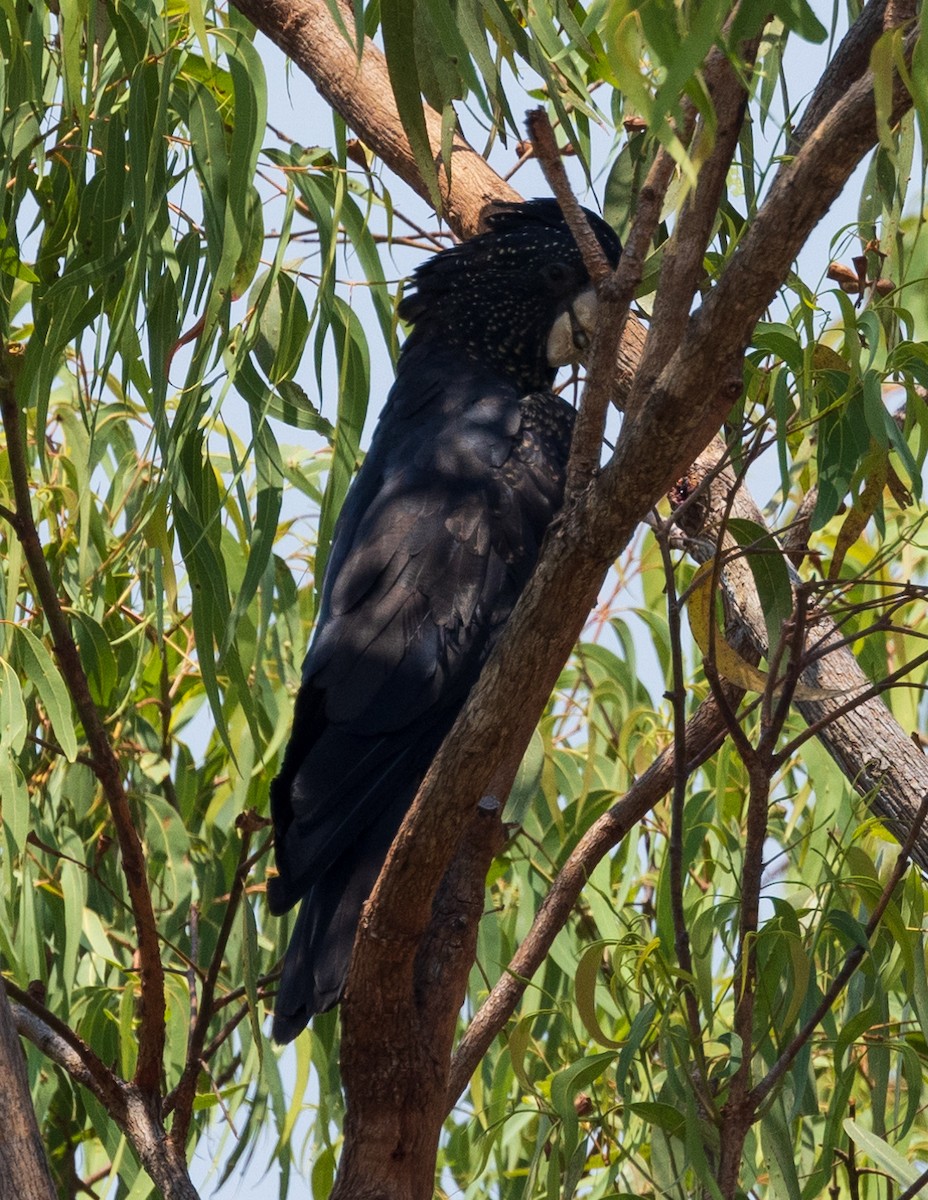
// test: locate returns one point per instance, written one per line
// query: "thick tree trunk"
(393, 1122)
(24, 1173)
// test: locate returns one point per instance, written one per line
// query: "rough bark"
(23, 1167)
(392, 1131)
(358, 87)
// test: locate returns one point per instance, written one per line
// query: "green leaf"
(588, 972)
(771, 577)
(843, 441)
(780, 1154)
(664, 1116)
(40, 670)
(568, 1082)
(13, 722)
(97, 657)
(900, 1171)
(799, 16)
(397, 19)
(283, 328)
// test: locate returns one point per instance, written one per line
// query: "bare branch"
(684, 254)
(102, 1082)
(681, 777)
(874, 753)
(615, 292)
(541, 132)
(847, 64)
(105, 764)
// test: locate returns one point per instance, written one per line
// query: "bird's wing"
(422, 559)
(433, 547)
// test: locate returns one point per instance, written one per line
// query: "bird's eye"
(556, 274)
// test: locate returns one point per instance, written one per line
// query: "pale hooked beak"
(572, 333)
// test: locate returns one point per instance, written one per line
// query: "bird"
(437, 537)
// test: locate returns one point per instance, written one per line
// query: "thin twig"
(541, 132)
(683, 263)
(914, 1189)
(182, 1097)
(677, 697)
(614, 292)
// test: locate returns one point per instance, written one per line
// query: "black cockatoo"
(436, 540)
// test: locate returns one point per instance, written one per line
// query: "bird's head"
(499, 295)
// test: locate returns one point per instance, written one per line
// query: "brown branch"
(358, 87)
(615, 292)
(389, 1149)
(105, 764)
(132, 1111)
(739, 1111)
(914, 1190)
(681, 778)
(541, 132)
(849, 62)
(95, 1074)
(682, 267)
(874, 753)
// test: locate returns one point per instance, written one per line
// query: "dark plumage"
(436, 540)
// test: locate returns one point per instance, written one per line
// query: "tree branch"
(684, 255)
(23, 1166)
(181, 1099)
(873, 752)
(105, 764)
(94, 1073)
(132, 1110)
(358, 87)
(849, 62)
(614, 291)
(681, 778)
